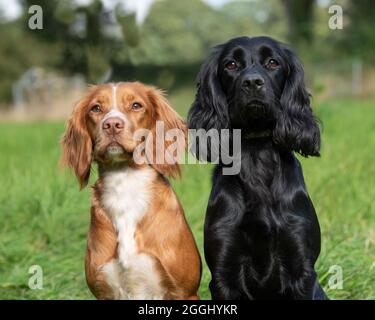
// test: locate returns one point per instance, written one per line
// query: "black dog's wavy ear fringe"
(210, 109)
(297, 129)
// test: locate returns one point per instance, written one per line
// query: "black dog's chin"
(253, 115)
(257, 109)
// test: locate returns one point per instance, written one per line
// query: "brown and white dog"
(139, 244)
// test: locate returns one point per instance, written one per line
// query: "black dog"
(262, 236)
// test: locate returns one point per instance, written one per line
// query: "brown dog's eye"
(272, 64)
(136, 106)
(232, 65)
(96, 108)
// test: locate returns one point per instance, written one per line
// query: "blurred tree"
(92, 14)
(129, 28)
(300, 14)
(359, 36)
(181, 32)
(256, 18)
(18, 52)
(174, 32)
(175, 38)
(51, 25)
(76, 28)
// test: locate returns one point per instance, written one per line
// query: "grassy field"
(44, 219)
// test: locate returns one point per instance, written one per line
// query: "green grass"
(44, 219)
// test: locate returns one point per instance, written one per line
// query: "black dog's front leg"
(224, 291)
(221, 247)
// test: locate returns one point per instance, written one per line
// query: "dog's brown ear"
(168, 137)
(77, 145)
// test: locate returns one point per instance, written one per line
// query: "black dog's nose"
(253, 81)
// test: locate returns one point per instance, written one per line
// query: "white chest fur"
(126, 197)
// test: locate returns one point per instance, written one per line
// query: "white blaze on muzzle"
(115, 112)
(114, 96)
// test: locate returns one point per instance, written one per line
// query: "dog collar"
(255, 135)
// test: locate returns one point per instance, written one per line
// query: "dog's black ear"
(210, 109)
(297, 128)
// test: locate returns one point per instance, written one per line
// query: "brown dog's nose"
(113, 125)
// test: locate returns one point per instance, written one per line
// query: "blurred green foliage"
(180, 31)
(360, 39)
(168, 47)
(18, 52)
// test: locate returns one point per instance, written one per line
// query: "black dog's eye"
(231, 65)
(96, 108)
(272, 64)
(136, 106)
